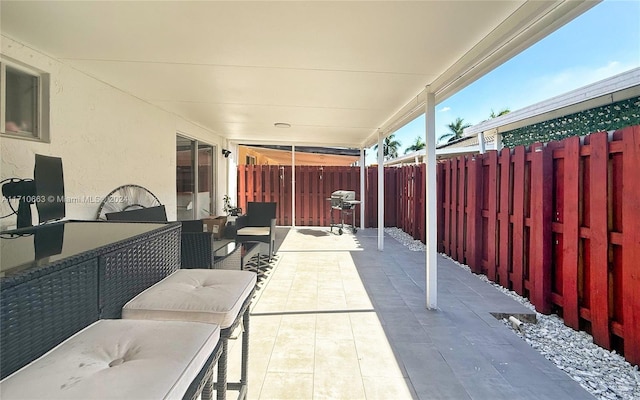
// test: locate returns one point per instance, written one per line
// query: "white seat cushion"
(253, 231)
(118, 359)
(199, 295)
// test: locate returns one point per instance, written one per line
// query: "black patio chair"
(258, 225)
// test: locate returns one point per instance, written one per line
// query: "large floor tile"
(285, 386)
(336, 385)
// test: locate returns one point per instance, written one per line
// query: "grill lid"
(344, 195)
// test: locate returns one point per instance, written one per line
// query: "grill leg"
(331, 218)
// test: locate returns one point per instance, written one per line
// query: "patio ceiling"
(336, 71)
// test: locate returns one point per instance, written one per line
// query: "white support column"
(481, 146)
(231, 177)
(380, 192)
(430, 202)
(362, 188)
(293, 186)
(498, 141)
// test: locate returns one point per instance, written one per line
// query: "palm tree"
(500, 113)
(457, 128)
(389, 147)
(417, 145)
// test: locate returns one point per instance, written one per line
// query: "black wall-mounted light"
(226, 153)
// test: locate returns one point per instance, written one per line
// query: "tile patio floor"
(337, 319)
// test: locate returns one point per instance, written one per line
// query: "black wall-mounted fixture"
(226, 153)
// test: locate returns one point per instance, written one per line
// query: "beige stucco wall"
(105, 137)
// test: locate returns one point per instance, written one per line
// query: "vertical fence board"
(275, 178)
(301, 183)
(372, 197)
(324, 195)
(308, 196)
(447, 207)
(404, 189)
(631, 243)
(570, 231)
(455, 178)
(259, 182)
(439, 204)
(504, 234)
(474, 215)
(617, 301)
(242, 187)
(598, 230)
(404, 210)
(492, 240)
(267, 184)
(540, 229)
(517, 274)
(285, 178)
(315, 194)
(460, 210)
(421, 220)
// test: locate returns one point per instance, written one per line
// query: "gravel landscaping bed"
(605, 374)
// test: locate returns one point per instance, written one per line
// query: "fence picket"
(540, 229)
(474, 215)
(598, 239)
(461, 209)
(446, 209)
(517, 273)
(504, 234)
(570, 231)
(631, 243)
(490, 238)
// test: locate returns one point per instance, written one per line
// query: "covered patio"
(338, 317)
(338, 320)
(119, 81)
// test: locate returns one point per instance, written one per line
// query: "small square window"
(21, 111)
(24, 102)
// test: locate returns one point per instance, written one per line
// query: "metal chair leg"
(244, 375)
(221, 385)
(207, 391)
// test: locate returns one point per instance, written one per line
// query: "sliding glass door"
(195, 186)
(205, 181)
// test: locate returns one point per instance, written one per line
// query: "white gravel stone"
(603, 373)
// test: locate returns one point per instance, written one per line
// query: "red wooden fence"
(559, 224)
(314, 186)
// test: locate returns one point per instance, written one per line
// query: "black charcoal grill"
(343, 201)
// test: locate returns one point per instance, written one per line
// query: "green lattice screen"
(606, 118)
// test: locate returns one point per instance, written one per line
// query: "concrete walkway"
(337, 319)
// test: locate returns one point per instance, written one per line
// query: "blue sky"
(602, 42)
